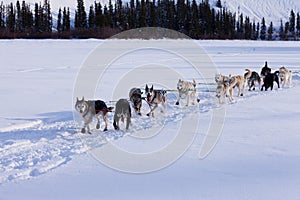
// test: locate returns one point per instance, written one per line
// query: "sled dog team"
(226, 84)
(90, 109)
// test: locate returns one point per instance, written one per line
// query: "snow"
(271, 10)
(42, 155)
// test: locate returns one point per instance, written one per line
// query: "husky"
(265, 70)
(269, 80)
(251, 77)
(135, 96)
(285, 76)
(122, 111)
(90, 109)
(222, 89)
(189, 89)
(237, 81)
(154, 98)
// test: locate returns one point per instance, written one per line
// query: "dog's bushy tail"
(110, 109)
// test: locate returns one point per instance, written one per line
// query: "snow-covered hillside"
(272, 10)
(42, 155)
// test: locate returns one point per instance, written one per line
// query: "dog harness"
(100, 106)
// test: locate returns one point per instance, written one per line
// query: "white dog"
(189, 89)
(285, 76)
(222, 89)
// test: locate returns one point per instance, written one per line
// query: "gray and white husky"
(189, 89)
(90, 109)
(154, 98)
(122, 111)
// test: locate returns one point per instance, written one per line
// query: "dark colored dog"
(135, 96)
(122, 111)
(269, 80)
(252, 77)
(265, 70)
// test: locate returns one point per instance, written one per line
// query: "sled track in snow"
(43, 144)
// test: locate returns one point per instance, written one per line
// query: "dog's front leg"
(151, 111)
(188, 100)
(178, 99)
(85, 126)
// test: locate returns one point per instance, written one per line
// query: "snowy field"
(42, 155)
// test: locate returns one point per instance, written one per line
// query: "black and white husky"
(155, 98)
(122, 112)
(189, 89)
(90, 109)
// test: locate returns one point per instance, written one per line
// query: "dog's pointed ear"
(77, 99)
(151, 89)
(180, 80)
(146, 88)
(82, 98)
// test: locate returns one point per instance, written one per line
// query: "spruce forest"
(197, 19)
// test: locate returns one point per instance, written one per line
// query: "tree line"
(199, 20)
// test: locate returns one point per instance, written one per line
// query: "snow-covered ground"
(42, 155)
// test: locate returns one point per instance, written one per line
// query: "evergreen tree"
(292, 23)
(80, 15)
(286, 28)
(298, 25)
(19, 22)
(11, 18)
(119, 14)
(219, 4)
(263, 29)
(153, 14)
(248, 28)
(59, 19)
(92, 17)
(66, 20)
(132, 15)
(257, 30)
(47, 21)
(99, 22)
(270, 31)
(281, 31)
(37, 20)
(2, 17)
(195, 32)
(106, 17)
(111, 14)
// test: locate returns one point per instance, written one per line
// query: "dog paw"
(97, 126)
(105, 129)
(83, 130)
(177, 103)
